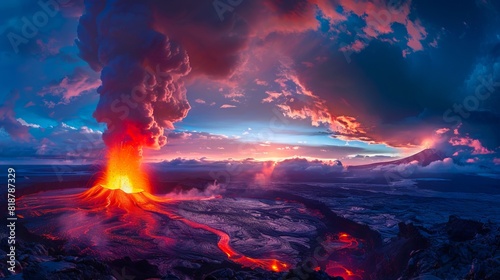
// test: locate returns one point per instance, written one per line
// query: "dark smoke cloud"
(141, 92)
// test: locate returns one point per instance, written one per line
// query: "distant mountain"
(423, 158)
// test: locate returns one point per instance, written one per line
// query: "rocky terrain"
(457, 249)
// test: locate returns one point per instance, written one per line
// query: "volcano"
(423, 158)
(120, 213)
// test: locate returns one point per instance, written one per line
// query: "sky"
(358, 81)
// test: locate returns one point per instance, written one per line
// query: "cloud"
(261, 82)
(478, 148)
(23, 122)
(15, 128)
(271, 96)
(225, 106)
(442, 130)
(446, 165)
(380, 17)
(298, 102)
(62, 143)
(40, 43)
(250, 170)
(71, 86)
(416, 34)
(234, 95)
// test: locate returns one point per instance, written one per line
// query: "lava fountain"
(123, 171)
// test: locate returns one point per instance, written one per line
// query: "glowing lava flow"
(224, 239)
(124, 188)
(337, 243)
(336, 269)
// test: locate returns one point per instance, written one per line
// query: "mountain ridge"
(424, 158)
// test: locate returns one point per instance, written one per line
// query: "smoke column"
(141, 92)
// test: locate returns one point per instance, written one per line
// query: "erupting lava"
(123, 171)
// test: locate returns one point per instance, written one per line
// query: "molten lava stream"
(119, 189)
(337, 269)
(223, 243)
(336, 243)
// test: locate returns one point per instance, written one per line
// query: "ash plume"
(141, 92)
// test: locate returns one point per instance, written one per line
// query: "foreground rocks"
(458, 249)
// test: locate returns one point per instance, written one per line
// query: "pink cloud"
(479, 149)
(9, 122)
(261, 82)
(379, 17)
(29, 104)
(329, 11)
(234, 95)
(442, 130)
(434, 43)
(472, 160)
(357, 46)
(297, 102)
(73, 85)
(271, 96)
(417, 33)
(348, 125)
(48, 49)
(274, 19)
(225, 106)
